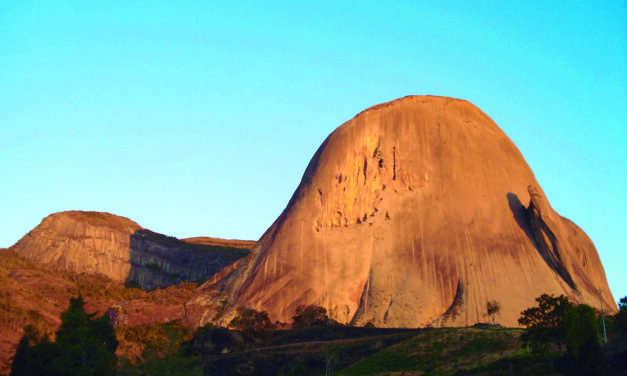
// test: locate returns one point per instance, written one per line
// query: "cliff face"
(418, 212)
(90, 242)
(157, 260)
(119, 248)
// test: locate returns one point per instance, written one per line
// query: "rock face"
(119, 248)
(80, 241)
(218, 242)
(418, 212)
(158, 260)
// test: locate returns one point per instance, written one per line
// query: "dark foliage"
(620, 320)
(253, 324)
(493, 308)
(545, 322)
(585, 356)
(84, 346)
(209, 340)
(309, 316)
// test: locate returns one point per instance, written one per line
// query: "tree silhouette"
(84, 346)
(252, 323)
(545, 322)
(621, 316)
(585, 356)
(493, 308)
(309, 316)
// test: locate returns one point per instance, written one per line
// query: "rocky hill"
(35, 294)
(418, 212)
(103, 243)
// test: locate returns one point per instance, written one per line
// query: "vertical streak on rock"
(394, 162)
(413, 251)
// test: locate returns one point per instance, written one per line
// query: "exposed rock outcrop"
(119, 248)
(90, 242)
(417, 212)
(218, 242)
(158, 260)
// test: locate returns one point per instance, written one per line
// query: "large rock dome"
(418, 212)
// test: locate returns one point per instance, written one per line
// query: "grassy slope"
(440, 351)
(362, 351)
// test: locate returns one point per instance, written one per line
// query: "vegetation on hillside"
(313, 344)
(545, 322)
(555, 321)
(317, 346)
(34, 295)
(84, 345)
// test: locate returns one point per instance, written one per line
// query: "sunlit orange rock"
(418, 212)
(103, 243)
(79, 241)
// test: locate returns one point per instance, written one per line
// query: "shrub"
(252, 323)
(309, 316)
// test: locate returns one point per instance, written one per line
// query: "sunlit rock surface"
(103, 243)
(418, 212)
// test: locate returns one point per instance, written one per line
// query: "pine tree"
(85, 345)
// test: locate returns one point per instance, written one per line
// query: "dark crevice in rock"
(519, 212)
(543, 238)
(550, 250)
(453, 310)
(394, 162)
(363, 301)
(387, 311)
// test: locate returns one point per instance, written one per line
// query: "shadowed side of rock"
(159, 261)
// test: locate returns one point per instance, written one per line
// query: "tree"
(213, 340)
(493, 308)
(21, 360)
(84, 346)
(545, 322)
(309, 316)
(620, 319)
(252, 323)
(585, 356)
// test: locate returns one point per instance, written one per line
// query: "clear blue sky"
(199, 117)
